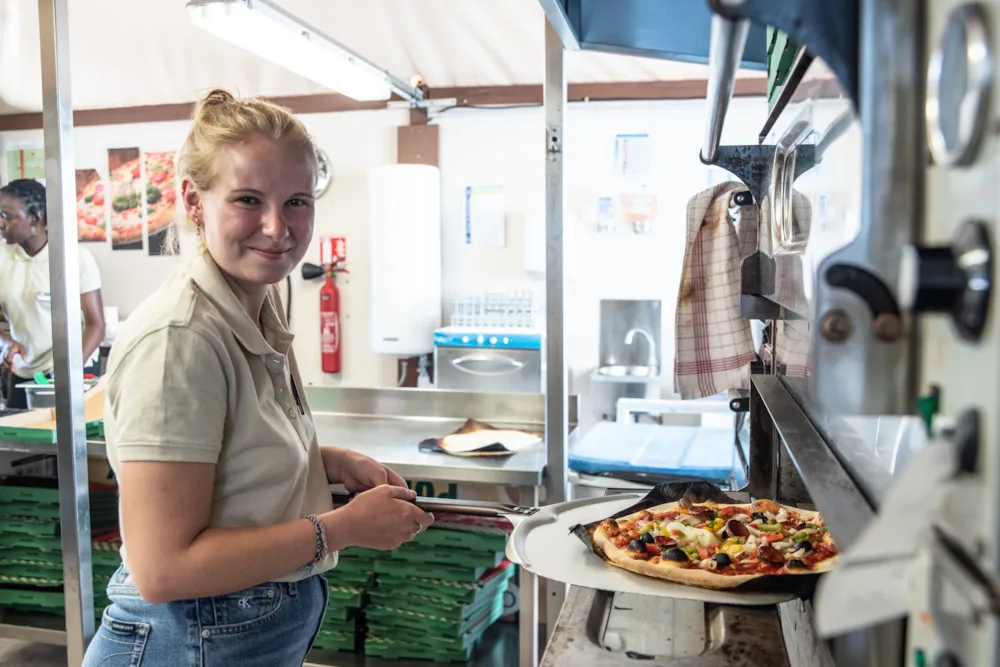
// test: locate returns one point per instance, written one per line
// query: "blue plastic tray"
(689, 451)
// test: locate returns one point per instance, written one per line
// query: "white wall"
(478, 147)
(355, 142)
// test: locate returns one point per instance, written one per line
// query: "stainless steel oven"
(493, 361)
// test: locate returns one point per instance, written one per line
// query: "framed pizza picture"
(125, 178)
(161, 199)
(91, 223)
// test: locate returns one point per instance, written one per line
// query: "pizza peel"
(543, 543)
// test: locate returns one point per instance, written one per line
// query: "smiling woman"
(224, 488)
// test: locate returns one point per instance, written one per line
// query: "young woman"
(226, 513)
(24, 289)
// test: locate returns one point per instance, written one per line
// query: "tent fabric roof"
(147, 52)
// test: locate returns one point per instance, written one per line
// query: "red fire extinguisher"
(329, 322)
(329, 317)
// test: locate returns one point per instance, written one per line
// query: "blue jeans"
(271, 625)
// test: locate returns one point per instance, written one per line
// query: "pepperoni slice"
(736, 529)
(665, 541)
(770, 555)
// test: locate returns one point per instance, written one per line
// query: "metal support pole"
(527, 629)
(67, 337)
(556, 394)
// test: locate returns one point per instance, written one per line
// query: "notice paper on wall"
(26, 162)
(485, 216)
(633, 154)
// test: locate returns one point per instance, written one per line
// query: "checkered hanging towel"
(714, 345)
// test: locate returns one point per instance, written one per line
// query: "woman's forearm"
(333, 462)
(225, 560)
(93, 334)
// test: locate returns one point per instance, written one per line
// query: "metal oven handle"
(511, 365)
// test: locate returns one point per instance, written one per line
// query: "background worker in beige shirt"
(24, 289)
(226, 514)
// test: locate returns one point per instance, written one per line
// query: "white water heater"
(404, 242)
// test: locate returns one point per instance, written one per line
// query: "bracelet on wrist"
(322, 546)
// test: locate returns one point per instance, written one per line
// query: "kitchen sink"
(628, 371)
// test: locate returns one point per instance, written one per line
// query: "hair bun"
(213, 98)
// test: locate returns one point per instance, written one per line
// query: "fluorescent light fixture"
(270, 32)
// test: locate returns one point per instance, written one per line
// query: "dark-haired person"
(24, 289)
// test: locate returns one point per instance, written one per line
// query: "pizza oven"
(869, 177)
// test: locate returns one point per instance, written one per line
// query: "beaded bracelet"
(322, 548)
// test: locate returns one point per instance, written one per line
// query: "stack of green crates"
(435, 597)
(343, 625)
(31, 567)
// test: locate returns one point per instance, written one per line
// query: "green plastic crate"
(452, 556)
(401, 568)
(382, 619)
(449, 595)
(27, 526)
(40, 435)
(344, 596)
(13, 493)
(335, 641)
(474, 538)
(49, 601)
(350, 578)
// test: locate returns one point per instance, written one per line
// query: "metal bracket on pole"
(67, 337)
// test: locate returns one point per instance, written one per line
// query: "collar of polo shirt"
(208, 277)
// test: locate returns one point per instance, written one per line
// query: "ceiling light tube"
(266, 30)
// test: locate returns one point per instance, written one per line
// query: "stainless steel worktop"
(394, 441)
(389, 424)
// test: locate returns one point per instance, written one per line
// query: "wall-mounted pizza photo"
(126, 199)
(91, 221)
(161, 199)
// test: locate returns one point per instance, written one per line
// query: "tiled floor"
(21, 654)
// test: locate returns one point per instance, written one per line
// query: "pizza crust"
(694, 576)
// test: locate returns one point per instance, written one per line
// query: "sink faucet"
(650, 344)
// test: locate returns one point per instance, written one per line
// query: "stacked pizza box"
(31, 564)
(343, 625)
(435, 597)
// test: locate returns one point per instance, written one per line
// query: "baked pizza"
(161, 191)
(717, 546)
(90, 211)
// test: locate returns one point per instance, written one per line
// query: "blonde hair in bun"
(221, 120)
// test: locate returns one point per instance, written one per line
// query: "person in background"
(226, 515)
(24, 289)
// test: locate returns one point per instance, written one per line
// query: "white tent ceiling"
(142, 52)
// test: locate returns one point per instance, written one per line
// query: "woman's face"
(257, 217)
(16, 225)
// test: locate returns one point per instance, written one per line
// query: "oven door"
(486, 370)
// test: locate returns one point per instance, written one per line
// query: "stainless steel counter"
(394, 442)
(389, 424)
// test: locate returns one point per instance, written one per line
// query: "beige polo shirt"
(27, 304)
(192, 379)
